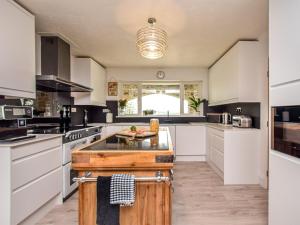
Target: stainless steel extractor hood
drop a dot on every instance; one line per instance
(55, 67)
(52, 83)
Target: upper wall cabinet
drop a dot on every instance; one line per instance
(284, 41)
(235, 77)
(89, 73)
(17, 44)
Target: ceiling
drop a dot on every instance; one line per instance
(199, 31)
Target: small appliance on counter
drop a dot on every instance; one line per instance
(9, 135)
(109, 117)
(242, 121)
(18, 115)
(214, 117)
(226, 118)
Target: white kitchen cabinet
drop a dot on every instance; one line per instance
(234, 77)
(284, 186)
(215, 149)
(233, 154)
(284, 40)
(112, 129)
(284, 49)
(172, 130)
(33, 179)
(190, 143)
(17, 44)
(89, 73)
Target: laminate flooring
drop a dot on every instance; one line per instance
(200, 198)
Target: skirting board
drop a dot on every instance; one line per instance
(181, 158)
(43, 211)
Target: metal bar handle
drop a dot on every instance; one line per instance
(158, 178)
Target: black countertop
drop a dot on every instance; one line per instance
(159, 142)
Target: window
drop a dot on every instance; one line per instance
(161, 99)
(190, 90)
(158, 98)
(130, 94)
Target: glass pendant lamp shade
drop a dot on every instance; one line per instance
(152, 41)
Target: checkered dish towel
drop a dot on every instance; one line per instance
(122, 189)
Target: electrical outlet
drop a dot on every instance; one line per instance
(238, 109)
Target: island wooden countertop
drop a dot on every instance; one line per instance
(122, 153)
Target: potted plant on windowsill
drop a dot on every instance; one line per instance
(148, 112)
(122, 105)
(195, 103)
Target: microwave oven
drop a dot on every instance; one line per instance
(285, 130)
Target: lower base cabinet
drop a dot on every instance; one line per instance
(190, 143)
(234, 154)
(33, 178)
(284, 186)
(30, 198)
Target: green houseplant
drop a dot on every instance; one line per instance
(194, 102)
(122, 105)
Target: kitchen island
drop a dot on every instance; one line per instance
(149, 159)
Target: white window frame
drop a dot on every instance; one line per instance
(181, 83)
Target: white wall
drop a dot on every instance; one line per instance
(149, 74)
(264, 113)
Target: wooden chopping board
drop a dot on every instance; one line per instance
(139, 134)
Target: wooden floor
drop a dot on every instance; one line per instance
(199, 199)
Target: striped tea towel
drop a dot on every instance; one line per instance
(122, 189)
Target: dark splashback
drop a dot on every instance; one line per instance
(251, 109)
(113, 106)
(95, 114)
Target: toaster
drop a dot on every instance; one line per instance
(242, 121)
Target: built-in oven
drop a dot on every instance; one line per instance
(285, 130)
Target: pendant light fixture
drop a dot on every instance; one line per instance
(152, 41)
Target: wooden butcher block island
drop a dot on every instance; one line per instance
(149, 159)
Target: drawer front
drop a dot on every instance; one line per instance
(218, 159)
(29, 168)
(32, 196)
(217, 142)
(216, 132)
(33, 148)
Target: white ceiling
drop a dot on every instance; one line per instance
(199, 30)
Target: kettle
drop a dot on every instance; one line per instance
(226, 118)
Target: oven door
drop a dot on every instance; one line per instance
(68, 184)
(70, 146)
(285, 130)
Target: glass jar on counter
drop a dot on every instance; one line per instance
(154, 125)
